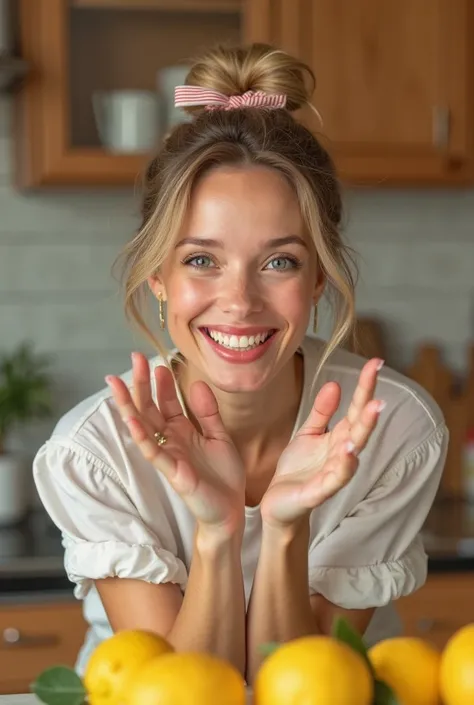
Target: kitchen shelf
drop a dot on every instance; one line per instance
(230, 6)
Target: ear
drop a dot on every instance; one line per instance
(319, 286)
(157, 287)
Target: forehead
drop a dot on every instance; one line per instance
(256, 201)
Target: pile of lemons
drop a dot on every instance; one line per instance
(140, 668)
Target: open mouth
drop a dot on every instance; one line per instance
(240, 343)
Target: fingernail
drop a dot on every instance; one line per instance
(108, 378)
(381, 406)
(133, 356)
(380, 364)
(350, 447)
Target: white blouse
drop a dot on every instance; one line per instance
(119, 516)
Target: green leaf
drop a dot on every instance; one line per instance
(384, 695)
(59, 685)
(342, 630)
(268, 648)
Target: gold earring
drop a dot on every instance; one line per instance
(315, 319)
(161, 311)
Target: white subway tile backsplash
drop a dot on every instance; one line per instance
(57, 268)
(75, 215)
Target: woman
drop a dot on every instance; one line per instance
(271, 490)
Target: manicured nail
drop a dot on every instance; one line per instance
(381, 406)
(108, 378)
(380, 364)
(350, 448)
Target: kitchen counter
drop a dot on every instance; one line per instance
(32, 561)
(448, 535)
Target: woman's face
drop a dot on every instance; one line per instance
(241, 280)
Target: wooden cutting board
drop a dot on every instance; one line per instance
(456, 403)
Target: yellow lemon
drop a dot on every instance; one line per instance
(186, 679)
(457, 668)
(314, 670)
(116, 660)
(410, 667)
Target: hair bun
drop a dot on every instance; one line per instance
(259, 67)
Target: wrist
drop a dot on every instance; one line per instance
(213, 540)
(285, 534)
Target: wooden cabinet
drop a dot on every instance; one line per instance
(439, 608)
(35, 637)
(395, 79)
(395, 83)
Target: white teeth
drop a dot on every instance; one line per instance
(238, 342)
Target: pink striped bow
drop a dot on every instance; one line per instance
(186, 96)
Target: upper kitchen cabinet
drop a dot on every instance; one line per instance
(88, 111)
(395, 83)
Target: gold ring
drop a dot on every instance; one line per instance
(160, 438)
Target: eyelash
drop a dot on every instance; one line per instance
(296, 264)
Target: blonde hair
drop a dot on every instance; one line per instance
(240, 137)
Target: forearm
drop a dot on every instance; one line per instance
(212, 615)
(279, 607)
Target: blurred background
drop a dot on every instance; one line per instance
(86, 92)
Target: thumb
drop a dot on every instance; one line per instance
(204, 406)
(324, 407)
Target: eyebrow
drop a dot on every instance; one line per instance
(209, 242)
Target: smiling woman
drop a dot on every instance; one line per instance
(244, 487)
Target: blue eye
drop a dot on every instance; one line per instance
(199, 261)
(281, 264)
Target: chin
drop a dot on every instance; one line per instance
(239, 382)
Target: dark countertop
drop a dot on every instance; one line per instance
(31, 553)
(31, 560)
(448, 536)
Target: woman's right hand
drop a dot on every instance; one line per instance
(204, 468)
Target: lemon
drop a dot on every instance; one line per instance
(314, 670)
(410, 666)
(116, 660)
(457, 668)
(186, 679)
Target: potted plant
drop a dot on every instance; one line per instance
(25, 395)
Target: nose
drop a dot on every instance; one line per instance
(240, 295)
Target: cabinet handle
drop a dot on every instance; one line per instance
(441, 126)
(429, 624)
(14, 639)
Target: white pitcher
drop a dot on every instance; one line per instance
(127, 121)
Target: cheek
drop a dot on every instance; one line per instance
(187, 296)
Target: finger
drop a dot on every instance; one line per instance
(360, 432)
(166, 393)
(365, 388)
(338, 472)
(206, 410)
(126, 405)
(141, 388)
(325, 405)
(149, 448)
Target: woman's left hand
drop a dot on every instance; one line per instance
(317, 463)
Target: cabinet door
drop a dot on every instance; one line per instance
(80, 50)
(392, 81)
(35, 637)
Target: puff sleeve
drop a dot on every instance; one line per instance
(103, 533)
(375, 555)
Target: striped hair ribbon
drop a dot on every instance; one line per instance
(187, 96)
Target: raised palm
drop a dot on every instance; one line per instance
(204, 468)
(317, 462)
